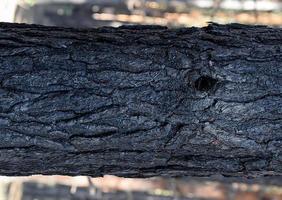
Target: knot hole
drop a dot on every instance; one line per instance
(205, 83)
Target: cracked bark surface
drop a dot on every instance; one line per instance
(141, 101)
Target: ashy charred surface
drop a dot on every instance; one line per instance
(140, 101)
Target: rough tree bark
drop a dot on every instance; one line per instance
(140, 101)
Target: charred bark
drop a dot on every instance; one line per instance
(140, 101)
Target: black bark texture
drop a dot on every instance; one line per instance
(141, 101)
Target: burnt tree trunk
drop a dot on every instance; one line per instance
(140, 101)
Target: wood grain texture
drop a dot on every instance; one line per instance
(141, 101)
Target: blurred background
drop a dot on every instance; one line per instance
(171, 13)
